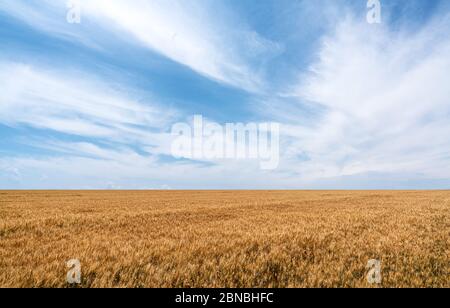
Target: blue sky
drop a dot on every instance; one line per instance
(91, 105)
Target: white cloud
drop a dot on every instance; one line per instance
(76, 104)
(181, 30)
(386, 100)
(192, 33)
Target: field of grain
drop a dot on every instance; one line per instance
(225, 239)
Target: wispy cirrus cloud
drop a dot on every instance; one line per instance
(195, 34)
(122, 128)
(79, 104)
(384, 101)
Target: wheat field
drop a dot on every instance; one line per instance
(224, 238)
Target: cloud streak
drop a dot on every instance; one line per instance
(79, 105)
(386, 101)
(191, 33)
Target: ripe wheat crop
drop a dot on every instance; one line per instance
(225, 238)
